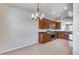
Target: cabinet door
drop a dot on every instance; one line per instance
(62, 35)
(47, 38)
(66, 36)
(41, 38)
(41, 24)
(46, 24)
(58, 25)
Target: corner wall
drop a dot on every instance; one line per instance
(20, 29)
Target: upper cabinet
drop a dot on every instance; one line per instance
(48, 24)
(43, 23)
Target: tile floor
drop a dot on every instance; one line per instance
(56, 47)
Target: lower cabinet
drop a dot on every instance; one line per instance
(44, 37)
(62, 35)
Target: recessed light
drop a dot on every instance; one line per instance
(65, 7)
(53, 12)
(70, 14)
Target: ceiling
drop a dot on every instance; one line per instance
(51, 10)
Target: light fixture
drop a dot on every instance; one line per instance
(70, 14)
(53, 12)
(65, 7)
(37, 15)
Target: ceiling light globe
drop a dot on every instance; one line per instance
(65, 7)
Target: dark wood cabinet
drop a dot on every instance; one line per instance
(63, 35)
(58, 25)
(44, 24)
(41, 24)
(44, 37)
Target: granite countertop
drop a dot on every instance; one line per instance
(54, 31)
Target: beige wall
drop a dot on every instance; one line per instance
(3, 10)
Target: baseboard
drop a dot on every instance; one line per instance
(18, 47)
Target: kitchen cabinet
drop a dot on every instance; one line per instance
(41, 24)
(58, 25)
(44, 37)
(62, 35)
(45, 23)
